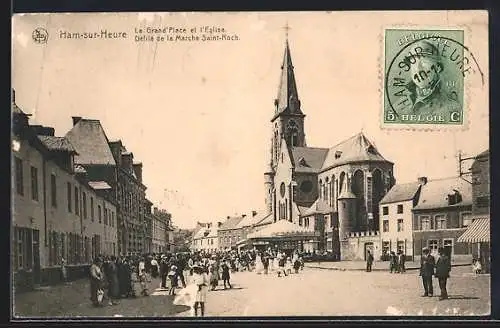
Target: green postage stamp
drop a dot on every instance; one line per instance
(424, 73)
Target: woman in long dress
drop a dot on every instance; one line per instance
(259, 267)
(96, 277)
(200, 279)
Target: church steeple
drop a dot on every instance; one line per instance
(287, 100)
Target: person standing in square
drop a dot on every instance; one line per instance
(427, 264)
(443, 268)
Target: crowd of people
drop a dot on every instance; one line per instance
(114, 278)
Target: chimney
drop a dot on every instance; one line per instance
(116, 147)
(127, 160)
(138, 171)
(76, 119)
(243, 215)
(228, 217)
(254, 213)
(422, 180)
(219, 224)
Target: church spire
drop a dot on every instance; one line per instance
(287, 98)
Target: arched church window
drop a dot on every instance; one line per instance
(325, 190)
(282, 189)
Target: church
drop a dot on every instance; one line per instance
(331, 192)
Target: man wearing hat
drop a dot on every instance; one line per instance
(427, 264)
(443, 268)
(426, 87)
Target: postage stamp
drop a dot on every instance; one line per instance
(424, 73)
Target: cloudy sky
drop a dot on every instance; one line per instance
(197, 113)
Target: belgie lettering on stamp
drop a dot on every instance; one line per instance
(424, 77)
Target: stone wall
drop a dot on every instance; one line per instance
(355, 246)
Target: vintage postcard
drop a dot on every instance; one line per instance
(251, 164)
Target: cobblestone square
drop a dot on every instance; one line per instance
(312, 292)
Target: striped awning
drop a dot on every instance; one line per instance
(477, 232)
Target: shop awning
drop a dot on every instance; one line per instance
(477, 232)
(282, 228)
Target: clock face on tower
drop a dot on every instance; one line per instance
(282, 189)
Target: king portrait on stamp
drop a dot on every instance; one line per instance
(424, 77)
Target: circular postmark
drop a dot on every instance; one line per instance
(424, 79)
(40, 35)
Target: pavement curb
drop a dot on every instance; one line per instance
(373, 269)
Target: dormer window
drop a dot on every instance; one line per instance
(338, 153)
(454, 198)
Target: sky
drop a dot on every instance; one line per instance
(197, 114)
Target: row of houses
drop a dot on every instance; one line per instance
(425, 213)
(75, 197)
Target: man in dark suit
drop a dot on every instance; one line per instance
(427, 264)
(443, 268)
(369, 261)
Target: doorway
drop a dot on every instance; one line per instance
(448, 247)
(36, 257)
(368, 247)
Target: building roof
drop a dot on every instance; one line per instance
(268, 219)
(99, 185)
(477, 232)
(281, 228)
(434, 194)
(401, 192)
(287, 99)
(90, 141)
(57, 144)
(355, 149)
(308, 159)
(319, 207)
(231, 223)
(484, 153)
(250, 220)
(301, 209)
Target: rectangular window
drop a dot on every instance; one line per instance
(425, 223)
(34, 183)
(385, 226)
(105, 216)
(77, 201)
(19, 176)
(400, 225)
(84, 204)
(400, 208)
(68, 185)
(92, 208)
(401, 246)
(23, 249)
(113, 219)
(53, 190)
(433, 245)
(385, 210)
(386, 247)
(99, 213)
(440, 222)
(466, 219)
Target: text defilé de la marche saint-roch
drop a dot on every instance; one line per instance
(157, 34)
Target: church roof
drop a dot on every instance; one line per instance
(355, 149)
(401, 192)
(268, 219)
(91, 143)
(308, 159)
(287, 100)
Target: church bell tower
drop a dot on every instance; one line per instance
(287, 122)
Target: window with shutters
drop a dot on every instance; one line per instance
(34, 183)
